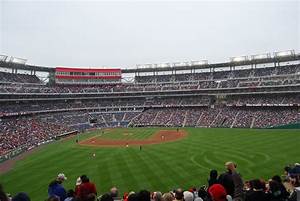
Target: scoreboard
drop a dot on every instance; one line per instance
(67, 75)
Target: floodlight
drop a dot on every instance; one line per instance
(286, 53)
(17, 60)
(239, 59)
(148, 65)
(199, 63)
(181, 64)
(162, 65)
(261, 56)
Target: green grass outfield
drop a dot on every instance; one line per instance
(185, 163)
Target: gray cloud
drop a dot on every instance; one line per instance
(122, 34)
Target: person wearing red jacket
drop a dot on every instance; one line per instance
(86, 189)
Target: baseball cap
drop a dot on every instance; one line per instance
(217, 192)
(61, 176)
(78, 181)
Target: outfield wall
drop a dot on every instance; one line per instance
(287, 126)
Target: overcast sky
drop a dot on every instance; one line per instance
(122, 34)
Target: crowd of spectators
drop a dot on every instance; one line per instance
(245, 111)
(256, 117)
(27, 132)
(264, 99)
(228, 186)
(102, 103)
(249, 78)
(222, 75)
(16, 132)
(131, 87)
(112, 104)
(18, 78)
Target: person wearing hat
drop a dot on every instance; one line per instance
(86, 188)
(217, 192)
(56, 188)
(77, 185)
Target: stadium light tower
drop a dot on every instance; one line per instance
(238, 59)
(163, 65)
(17, 60)
(177, 64)
(260, 56)
(148, 65)
(286, 53)
(199, 63)
(181, 64)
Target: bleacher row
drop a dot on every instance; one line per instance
(222, 75)
(6, 77)
(130, 103)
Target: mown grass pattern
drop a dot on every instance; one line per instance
(258, 153)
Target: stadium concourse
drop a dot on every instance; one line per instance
(250, 94)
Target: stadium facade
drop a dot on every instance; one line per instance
(258, 91)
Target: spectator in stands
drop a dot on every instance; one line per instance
(283, 190)
(238, 194)
(56, 188)
(226, 181)
(21, 197)
(53, 198)
(70, 195)
(294, 188)
(203, 194)
(114, 192)
(287, 170)
(218, 193)
(188, 196)
(106, 197)
(86, 189)
(167, 197)
(213, 178)
(179, 195)
(133, 197)
(256, 192)
(3, 196)
(157, 196)
(144, 195)
(77, 185)
(275, 191)
(295, 170)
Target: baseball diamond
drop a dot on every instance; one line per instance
(149, 100)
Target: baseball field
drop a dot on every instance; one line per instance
(153, 158)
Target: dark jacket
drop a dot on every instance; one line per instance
(256, 196)
(226, 180)
(238, 185)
